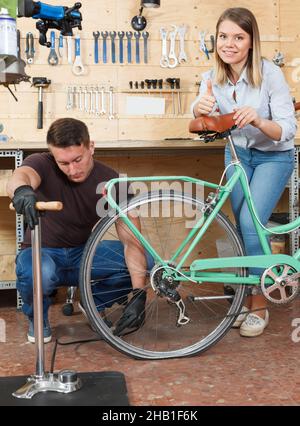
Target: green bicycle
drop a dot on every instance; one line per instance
(197, 257)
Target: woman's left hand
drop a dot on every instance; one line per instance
(246, 115)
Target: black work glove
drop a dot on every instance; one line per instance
(134, 312)
(24, 201)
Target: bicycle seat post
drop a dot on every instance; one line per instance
(234, 157)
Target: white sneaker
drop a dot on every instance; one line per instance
(242, 316)
(254, 325)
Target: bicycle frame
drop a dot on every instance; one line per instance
(198, 269)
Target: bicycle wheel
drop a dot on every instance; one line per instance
(166, 218)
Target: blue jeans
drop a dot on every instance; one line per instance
(60, 267)
(268, 174)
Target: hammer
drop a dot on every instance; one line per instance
(41, 83)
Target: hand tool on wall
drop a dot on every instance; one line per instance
(164, 60)
(182, 55)
(129, 36)
(61, 46)
(111, 115)
(173, 61)
(145, 35)
(172, 82)
(29, 48)
(279, 59)
(70, 49)
(113, 35)
(52, 58)
(121, 35)
(96, 35)
(41, 83)
(103, 104)
(137, 36)
(177, 86)
(104, 35)
(78, 68)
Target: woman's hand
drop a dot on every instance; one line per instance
(206, 104)
(246, 115)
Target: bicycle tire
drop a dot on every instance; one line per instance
(137, 345)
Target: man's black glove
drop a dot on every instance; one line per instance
(134, 312)
(24, 201)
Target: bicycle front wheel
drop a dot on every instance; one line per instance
(166, 219)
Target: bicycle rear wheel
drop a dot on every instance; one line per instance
(166, 218)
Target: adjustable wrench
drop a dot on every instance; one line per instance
(96, 35)
(129, 36)
(104, 35)
(29, 48)
(182, 55)
(78, 68)
(52, 58)
(113, 35)
(121, 35)
(137, 36)
(164, 60)
(173, 61)
(145, 35)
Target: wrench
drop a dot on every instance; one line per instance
(104, 35)
(182, 55)
(52, 58)
(137, 36)
(113, 35)
(97, 110)
(29, 48)
(96, 35)
(78, 68)
(173, 61)
(203, 46)
(80, 104)
(164, 60)
(129, 35)
(145, 35)
(103, 109)
(70, 49)
(61, 46)
(111, 104)
(121, 35)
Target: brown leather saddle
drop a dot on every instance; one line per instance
(213, 127)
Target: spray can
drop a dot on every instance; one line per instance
(8, 34)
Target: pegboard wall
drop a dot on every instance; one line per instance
(279, 27)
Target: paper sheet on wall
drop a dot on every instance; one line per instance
(145, 105)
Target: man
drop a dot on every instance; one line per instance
(68, 173)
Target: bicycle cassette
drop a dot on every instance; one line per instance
(279, 285)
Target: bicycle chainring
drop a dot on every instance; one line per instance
(280, 290)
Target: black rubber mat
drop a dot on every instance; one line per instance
(99, 389)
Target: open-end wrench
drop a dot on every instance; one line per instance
(96, 35)
(145, 35)
(80, 103)
(61, 45)
(103, 108)
(92, 104)
(113, 35)
(104, 35)
(164, 60)
(111, 103)
(173, 61)
(78, 68)
(121, 35)
(129, 36)
(86, 100)
(137, 36)
(182, 55)
(29, 48)
(70, 49)
(52, 58)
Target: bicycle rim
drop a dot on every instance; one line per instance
(210, 313)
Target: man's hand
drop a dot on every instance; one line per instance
(134, 312)
(246, 115)
(24, 201)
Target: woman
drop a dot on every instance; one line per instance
(255, 88)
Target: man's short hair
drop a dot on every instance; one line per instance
(66, 132)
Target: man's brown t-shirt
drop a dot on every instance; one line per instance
(72, 226)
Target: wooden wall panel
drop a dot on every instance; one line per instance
(278, 21)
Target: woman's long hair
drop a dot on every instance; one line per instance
(245, 19)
